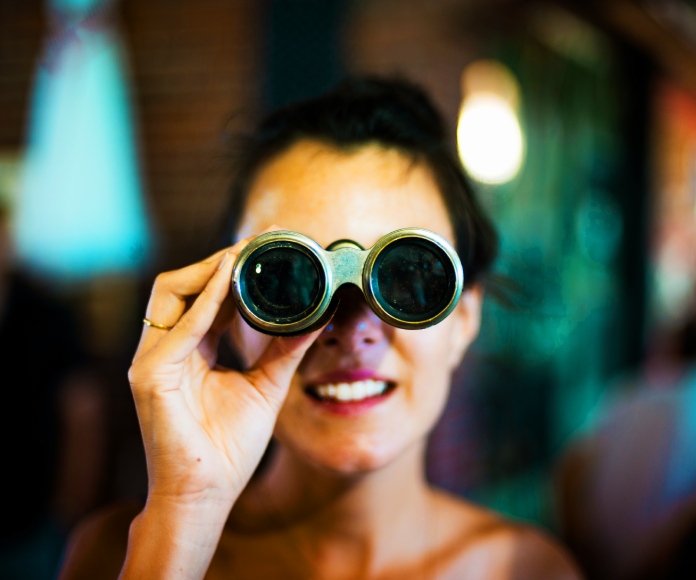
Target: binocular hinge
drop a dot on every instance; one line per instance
(348, 261)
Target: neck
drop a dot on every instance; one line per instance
(371, 514)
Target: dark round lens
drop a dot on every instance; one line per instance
(415, 280)
(281, 283)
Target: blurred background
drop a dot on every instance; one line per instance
(576, 121)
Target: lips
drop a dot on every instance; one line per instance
(346, 387)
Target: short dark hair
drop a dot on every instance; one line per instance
(393, 113)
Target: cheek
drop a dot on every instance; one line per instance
(428, 351)
(427, 356)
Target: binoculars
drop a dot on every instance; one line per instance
(284, 283)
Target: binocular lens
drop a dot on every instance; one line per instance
(281, 283)
(415, 281)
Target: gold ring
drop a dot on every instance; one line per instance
(156, 325)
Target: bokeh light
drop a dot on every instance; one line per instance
(489, 137)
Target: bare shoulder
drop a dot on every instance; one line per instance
(97, 546)
(533, 554)
(483, 544)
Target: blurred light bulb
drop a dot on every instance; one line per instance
(490, 141)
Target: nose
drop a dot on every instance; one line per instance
(354, 327)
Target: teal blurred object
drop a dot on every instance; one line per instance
(35, 556)
(573, 229)
(80, 211)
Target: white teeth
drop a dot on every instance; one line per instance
(344, 392)
(356, 391)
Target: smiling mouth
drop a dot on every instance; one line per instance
(352, 392)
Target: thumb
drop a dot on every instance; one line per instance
(273, 371)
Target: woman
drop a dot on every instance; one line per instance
(344, 494)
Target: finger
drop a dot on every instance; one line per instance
(272, 373)
(222, 323)
(172, 291)
(168, 300)
(192, 327)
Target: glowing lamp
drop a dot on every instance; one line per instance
(489, 137)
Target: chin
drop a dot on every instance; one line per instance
(350, 462)
(346, 456)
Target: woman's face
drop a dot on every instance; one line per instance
(328, 194)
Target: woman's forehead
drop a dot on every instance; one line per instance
(329, 194)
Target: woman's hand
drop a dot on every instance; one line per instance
(204, 428)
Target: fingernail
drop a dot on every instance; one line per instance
(223, 261)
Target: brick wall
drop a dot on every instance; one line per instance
(424, 41)
(21, 28)
(192, 64)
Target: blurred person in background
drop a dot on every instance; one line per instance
(343, 493)
(627, 491)
(52, 430)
